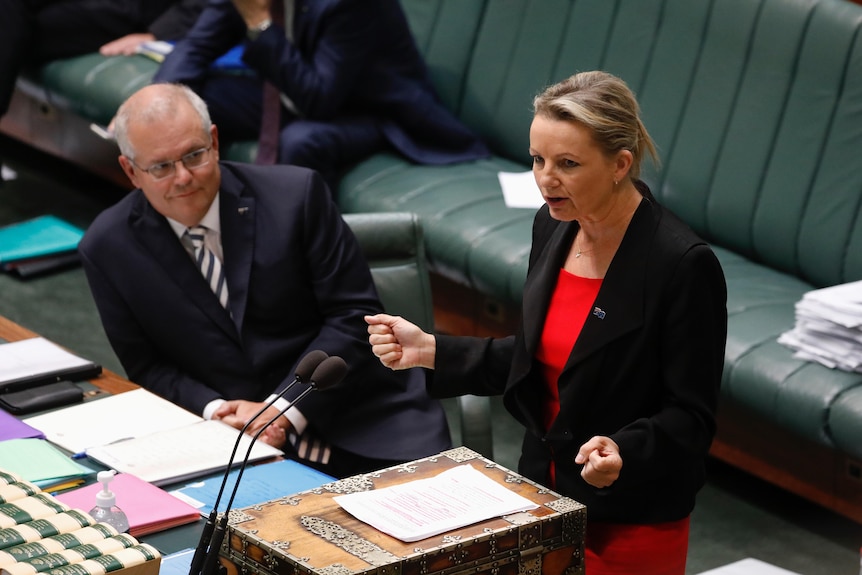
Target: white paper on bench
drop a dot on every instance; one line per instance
(426, 507)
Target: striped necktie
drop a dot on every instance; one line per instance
(208, 263)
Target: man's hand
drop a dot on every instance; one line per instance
(254, 11)
(601, 459)
(125, 46)
(238, 412)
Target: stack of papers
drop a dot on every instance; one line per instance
(828, 327)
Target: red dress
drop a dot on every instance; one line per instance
(611, 549)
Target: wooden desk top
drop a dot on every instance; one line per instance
(108, 380)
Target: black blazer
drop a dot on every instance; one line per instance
(645, 370)
(349, 59)
(297, 282)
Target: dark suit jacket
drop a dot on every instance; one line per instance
(349, 58)
(297, 282)
(645, 370)
(36, 31)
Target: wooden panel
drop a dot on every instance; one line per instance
(813, 471)
(460, 310)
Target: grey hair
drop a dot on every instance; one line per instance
(162, 106)
(606, 105)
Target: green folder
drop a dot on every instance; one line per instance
(40, 236)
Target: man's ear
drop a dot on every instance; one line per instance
(129, 170)
(214, 137)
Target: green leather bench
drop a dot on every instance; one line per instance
(756, 108)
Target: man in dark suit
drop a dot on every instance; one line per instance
(348, 75)
(38, 31)
(294, 281)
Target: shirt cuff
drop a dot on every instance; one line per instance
(211, 407)
(293, 415)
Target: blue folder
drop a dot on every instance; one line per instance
(42, 236)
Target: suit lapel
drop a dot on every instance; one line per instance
(619, 308)
(238, 235)
(153, 232)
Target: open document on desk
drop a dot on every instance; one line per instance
(143, 434)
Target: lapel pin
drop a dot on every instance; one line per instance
(242, 211)
(599, 313)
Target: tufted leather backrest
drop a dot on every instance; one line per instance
(755, 105)
(393, 244)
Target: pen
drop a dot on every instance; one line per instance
(83, 454)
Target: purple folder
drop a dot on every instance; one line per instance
(13, 428)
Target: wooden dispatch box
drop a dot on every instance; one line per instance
(309, 533)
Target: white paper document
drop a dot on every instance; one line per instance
(520, 190)
(34, 356)
(180, 454)
(426, 507)
(749, 567)
(110, 419)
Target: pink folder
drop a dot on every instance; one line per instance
(148, 508)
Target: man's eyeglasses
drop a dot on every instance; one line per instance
(191, 161)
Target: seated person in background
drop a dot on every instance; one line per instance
(38, 31)
(343, 79)
(616, 368)
(294, 280)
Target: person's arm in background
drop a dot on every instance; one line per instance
(218, 29)
(319, 84)
(171, 25)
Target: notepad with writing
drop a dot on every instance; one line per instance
(148, 508)
(179, 454)
(121, 416)
(141, 433)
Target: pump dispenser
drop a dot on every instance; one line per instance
(106, 510)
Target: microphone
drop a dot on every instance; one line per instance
(330, 372)
(305, 370)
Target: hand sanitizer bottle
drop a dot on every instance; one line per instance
(106, 510)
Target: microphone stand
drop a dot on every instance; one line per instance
(331, 371)
(306, 365)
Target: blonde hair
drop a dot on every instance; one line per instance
(605, 104)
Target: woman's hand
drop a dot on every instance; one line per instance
(400, 344)
(601, 459)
